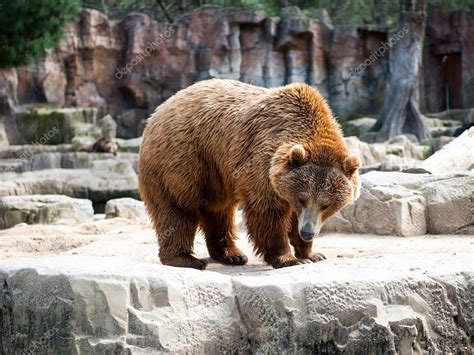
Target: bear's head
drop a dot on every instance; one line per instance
(315, 185)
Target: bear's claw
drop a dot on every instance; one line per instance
(185, 261)
(315, 257)
(311, 258)
(233, 260)
(286, 260)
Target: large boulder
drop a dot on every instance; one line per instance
(386, 210)
(450, 205)
(43, 209)
(406, 204)
(125, 207)
(457, 155)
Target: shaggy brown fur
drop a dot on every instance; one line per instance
(217, 144)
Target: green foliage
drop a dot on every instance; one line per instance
(453, 4)
(30, 27)
(342, 12)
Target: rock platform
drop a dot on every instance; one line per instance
(99, 288)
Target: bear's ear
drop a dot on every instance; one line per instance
(351, 164)
(298, 155)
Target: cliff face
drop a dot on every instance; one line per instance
(129, 67)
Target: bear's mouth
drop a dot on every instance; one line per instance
(309, 224)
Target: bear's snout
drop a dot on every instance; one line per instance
(306, 234)
(309, 223)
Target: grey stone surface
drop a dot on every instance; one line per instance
(108, 126)
(104, 180)
(393, 203)
(26, 151)
(392, 162)
(125, 207)
(358, 126)
(81, 143)
(388, 211)
(457, 155)
(129, 145)
(98, 288)
(60, 160)
(450, 205)
(43, 209)
(85, 130)
(397, 154)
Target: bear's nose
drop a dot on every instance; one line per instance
(306, 235)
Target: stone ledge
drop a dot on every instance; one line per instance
(105, 304)
(104, 180)
(105, 291)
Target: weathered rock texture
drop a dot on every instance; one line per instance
(456, 156)
(125, 207)
(127, 68)
(44, 209)
(99, 289)
(57, 160)
(396, 154)
(409, 204)
(103, 181)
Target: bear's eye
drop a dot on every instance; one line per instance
(324, 207)
(303, 199)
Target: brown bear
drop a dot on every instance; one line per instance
(218, 144)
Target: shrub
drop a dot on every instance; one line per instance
(30, 27)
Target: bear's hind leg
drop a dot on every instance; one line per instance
(303, 250)
(175, 230)
(220, 233)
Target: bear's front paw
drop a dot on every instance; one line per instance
(184, 260)
(231, 256)
(286, 260)
(311, 257)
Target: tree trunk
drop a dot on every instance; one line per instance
(400, 112)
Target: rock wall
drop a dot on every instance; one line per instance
(448, 61)
(128, 67)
